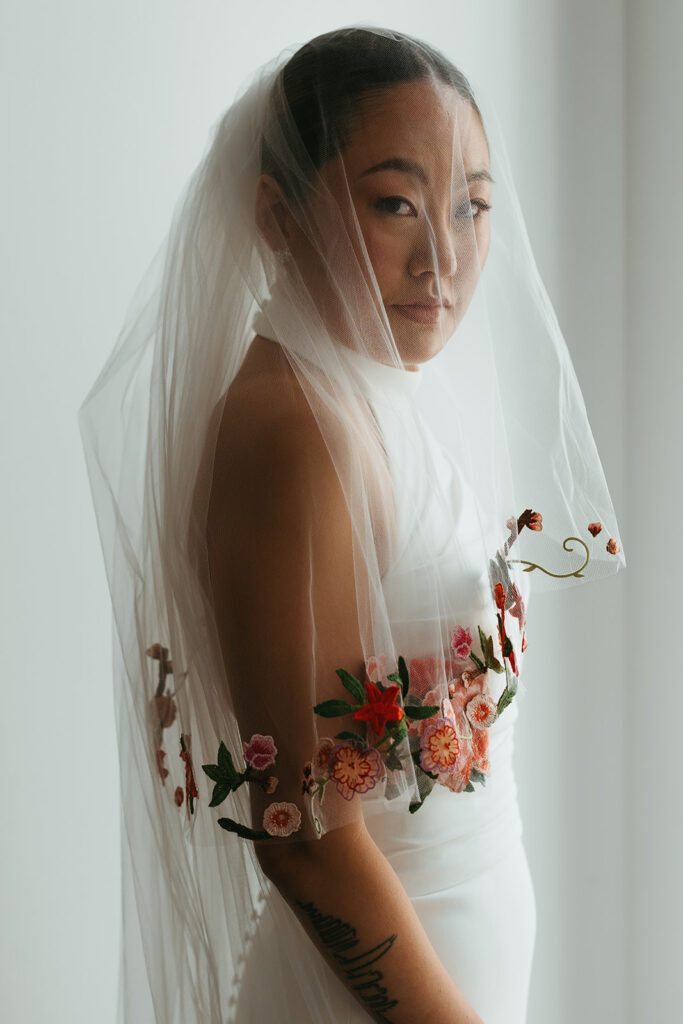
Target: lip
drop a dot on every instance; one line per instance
(422, 312)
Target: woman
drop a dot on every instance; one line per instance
(321, 546)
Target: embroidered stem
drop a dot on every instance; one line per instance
(557, 575)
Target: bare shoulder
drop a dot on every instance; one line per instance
(270, 453)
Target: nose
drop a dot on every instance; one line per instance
(435, 250)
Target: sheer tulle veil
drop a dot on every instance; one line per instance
(230, 742)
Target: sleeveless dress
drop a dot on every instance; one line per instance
(461, 857)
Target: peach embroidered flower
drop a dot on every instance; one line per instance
(281, 819)
(439, 747)
(321, 757)
(376, 668)
(461, 642)
(260, 751)
(481, 711)
(612, 546)
(517, 608)
(354, 768)
(594, 528)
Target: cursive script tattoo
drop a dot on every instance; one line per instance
(340, 938)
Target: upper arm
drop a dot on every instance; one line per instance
(280, 548)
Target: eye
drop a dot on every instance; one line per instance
(479, 204)
(387, 201)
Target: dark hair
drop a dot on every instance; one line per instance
(317, 91)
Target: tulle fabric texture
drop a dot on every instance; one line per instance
(208, 715)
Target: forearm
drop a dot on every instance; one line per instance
(355, 910)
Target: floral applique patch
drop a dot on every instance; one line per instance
(405, 719)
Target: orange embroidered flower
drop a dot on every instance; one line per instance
(380, 707)
(499, 594)
(481, 711)
(439, 747)
(594, 528)
(612, 546)
(354, 768)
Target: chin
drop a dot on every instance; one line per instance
(421, 345)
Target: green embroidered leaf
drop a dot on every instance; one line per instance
(333, 708)
(512, 684)
(353, 685)
(392, 760)
(505, 699)
(478, 776)
(469, 788)
(350, 736)
(213, 771)
(422, 711)
(241, 830)
(507, 647)
(225, 759)
(477, 661)
(220, 791)
(404, 674)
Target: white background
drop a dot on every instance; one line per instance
(106, 110)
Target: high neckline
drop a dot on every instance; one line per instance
(378, 381)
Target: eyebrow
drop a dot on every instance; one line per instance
(399, 163)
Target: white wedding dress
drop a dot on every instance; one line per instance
(460, 857)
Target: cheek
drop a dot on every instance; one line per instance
(387, 255)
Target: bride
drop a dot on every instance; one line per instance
(322, 556)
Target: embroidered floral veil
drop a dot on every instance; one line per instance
(264, 689)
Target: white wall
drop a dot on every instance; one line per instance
(109, 110)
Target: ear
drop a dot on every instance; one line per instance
(271, 213)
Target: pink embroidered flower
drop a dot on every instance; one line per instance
(281, 819)
(354, 768)
(163, 710)
(321, 757)
(517, 608)
(260, 751)
(160, 653)
(179, 796)
(163, 772)
(461, 642)
(376, 668)
(612, 546)
(481, 711)
(439, 747)
(594, 528)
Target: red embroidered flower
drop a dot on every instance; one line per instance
(380, 707)
(354, 768)
(260, 751)
(525, 642)
(281, 819)
(439, 747)
(191, 790)
(179, 796)
(499, 594)
(461, 642)
(594, 528)
(612, 546)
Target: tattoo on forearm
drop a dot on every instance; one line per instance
(340, 938)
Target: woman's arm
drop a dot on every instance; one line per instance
(357, 913)
(282, 574)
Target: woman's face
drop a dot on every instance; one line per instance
(415, 177)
